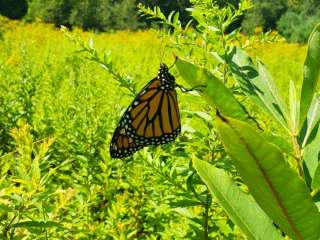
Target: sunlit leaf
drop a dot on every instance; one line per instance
(241, 207)
(311, 73)
(214, 92)
(277, 188)
(311, 124)
(258, 85)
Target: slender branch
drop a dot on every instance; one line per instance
(7, 228)
(315, 192)
(224, 45)
(206, 218)
(167, 177)
(298, 155)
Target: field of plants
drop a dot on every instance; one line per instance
(59, 107)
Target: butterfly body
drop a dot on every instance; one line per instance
(151, 119)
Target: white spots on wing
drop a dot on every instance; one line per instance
(167, 83)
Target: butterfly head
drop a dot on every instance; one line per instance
(167, 80)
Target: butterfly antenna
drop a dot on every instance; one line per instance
(162, 50)
(175, 60)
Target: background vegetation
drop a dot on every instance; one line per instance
(57, 114)
(294, 19)
(61, 96)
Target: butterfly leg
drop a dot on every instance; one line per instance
(183, 89)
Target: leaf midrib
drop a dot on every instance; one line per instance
(267, 179)
(233, 209)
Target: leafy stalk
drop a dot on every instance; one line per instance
(123, 80)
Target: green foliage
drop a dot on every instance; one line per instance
(58, 110)
(88, 14)
(259, 163)
(258, 85)
(215, 92)
(54, 11)
(60, 103)
(293, 19)
(311, 74)
(168, 7)
(14, 9)
(264, 14)
(102, 15)
(241, 208)
(297, 23)
(264, 165)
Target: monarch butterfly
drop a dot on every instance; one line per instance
(152, 118)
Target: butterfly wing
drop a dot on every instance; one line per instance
(151, 119)
(123, 145)
(154, 117)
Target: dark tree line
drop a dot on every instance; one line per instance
(294, 19)
(102, 15)
(14, 9)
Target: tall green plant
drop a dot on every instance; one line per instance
(276, 175)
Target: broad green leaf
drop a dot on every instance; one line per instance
(279, 141)
(278, 189)
(311, 73)
(241, 207)
(214, 92)
(258, 85)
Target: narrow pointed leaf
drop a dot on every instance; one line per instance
(311, 124)
(310, 138)
(277, 188)
(258, 85)
(214, 92)
(240, 207)
(311, 155)
(311, 73)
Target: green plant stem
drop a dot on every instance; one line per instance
(224, 46)
(167, 177)
(315, 192)
(297, 153)
(206, 218)
(7, 228)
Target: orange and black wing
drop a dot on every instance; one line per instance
(151, 119)
(123, 145)
(154, 115)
